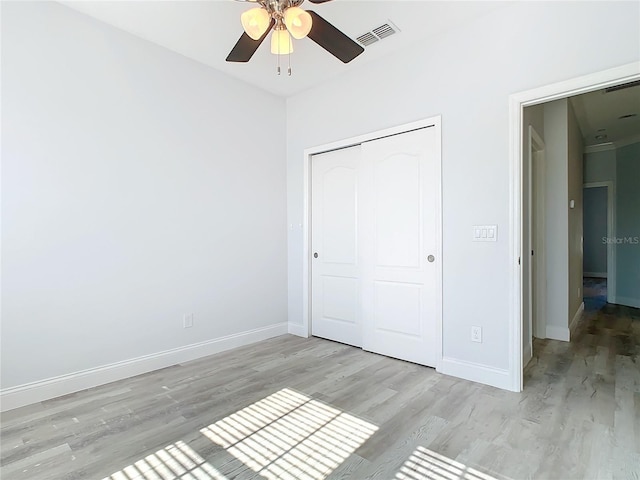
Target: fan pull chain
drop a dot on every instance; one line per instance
(278, 56)
(289, 58)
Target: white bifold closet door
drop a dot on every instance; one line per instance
(375, 212)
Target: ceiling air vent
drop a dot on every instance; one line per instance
(384, 31)
(367, 39)
(622, 87)
(378, 33)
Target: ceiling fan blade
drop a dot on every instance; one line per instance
(247, 46)
(319, 1)
(333, 40)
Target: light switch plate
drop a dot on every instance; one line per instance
(485, 233)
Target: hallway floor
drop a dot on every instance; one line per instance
(594, 293)
(592, 384)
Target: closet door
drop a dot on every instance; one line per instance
(399, 198)
(335, 267)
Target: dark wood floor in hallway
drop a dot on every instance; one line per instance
(298, 408)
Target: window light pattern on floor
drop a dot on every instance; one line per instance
(290, 436)
(425, 464)
(177, 461)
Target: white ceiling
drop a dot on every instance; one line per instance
(599, 113)
(206, 31)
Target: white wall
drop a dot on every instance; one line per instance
(133, 191)
(563, 242)
(533, 116)
(466, 76)
(575, 151)
(556, 135)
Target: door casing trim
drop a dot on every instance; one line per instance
(556, 91)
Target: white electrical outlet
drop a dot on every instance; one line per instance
(476, 334)
(187, 320)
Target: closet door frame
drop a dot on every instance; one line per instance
(433, 122)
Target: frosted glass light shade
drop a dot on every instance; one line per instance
(255, 22)
(298, 22)
(281, 43)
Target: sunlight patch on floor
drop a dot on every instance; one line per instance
(425, 464)
(288, 435)
(177, 461)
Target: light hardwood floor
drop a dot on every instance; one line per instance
(309, 409)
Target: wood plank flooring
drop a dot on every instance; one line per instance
(308, 409)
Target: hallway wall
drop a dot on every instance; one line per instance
(628, 225)
(622, 166)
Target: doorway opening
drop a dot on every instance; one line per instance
(599, 265)
(595, 293)
(563, 236)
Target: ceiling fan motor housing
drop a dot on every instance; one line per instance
(277, 7)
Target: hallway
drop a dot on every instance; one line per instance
(591, 386)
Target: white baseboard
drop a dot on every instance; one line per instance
(39, 391)
(595, 274)
(542, 333)
(564, 333)
(496, 377)
(558, 333)
(527, 355)
(298, 330)
(627, 301)
(576, 319)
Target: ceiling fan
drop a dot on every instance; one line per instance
(287, 19)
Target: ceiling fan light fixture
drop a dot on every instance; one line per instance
(298, 22)
(255, 22)
(281, 43)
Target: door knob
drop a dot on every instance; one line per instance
(431, 258)
(315, 254)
